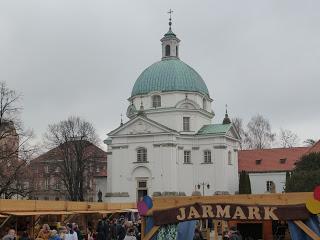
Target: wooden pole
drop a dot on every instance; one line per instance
(143, 227)
(215, 229)
(151, 233)
(307, 230)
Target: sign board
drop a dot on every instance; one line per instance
(237, 212)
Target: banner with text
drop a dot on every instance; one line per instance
(233, 212)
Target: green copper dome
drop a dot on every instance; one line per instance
(169, 75)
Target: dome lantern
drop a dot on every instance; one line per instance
(170, 43)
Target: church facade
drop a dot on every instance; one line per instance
(169, 146)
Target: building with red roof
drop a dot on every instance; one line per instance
(267, 168)
(48, 183)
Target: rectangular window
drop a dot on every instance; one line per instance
(269, 186)
(46, 184)
(46, 169)
(186, 123)
(207, 156)
(156, 101)
(58, 185)
(142, 155)
(187, 156)
(142, 184)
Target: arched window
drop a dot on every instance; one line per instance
(204, 103)
(156, 101)
(177, 54)
(142, 155)
(229, 158)
(167, 50)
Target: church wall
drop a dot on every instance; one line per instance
(170, 99)
(220, 175)
(174, 120)
(159, 171)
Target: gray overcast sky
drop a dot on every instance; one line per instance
(83, 57)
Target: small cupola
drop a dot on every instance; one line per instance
(170, 43)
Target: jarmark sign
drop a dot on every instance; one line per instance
(230, 212)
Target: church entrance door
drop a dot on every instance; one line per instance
(142, 189)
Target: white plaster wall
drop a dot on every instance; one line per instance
(161, 163)
(170, 99)
(259, 181)
(174, 120)
(166, 164)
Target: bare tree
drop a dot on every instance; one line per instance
(238, 124)
(309, 142)
(288, 138)
(258, 134)
(74, 141)
(15, 151)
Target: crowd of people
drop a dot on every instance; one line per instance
(115, 229)
(232, 234)
(106, 229)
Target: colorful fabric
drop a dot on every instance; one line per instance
(186, 230)
(168, 232)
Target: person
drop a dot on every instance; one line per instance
(11, 235)
(121, 231)
(62, 232)
(54, 235)
(106, 228)
(197, 234)
(130, 235)
(113, 232)
(24, 236)
(44, 232)
(77, 230)
(90, 235)
(225, 235)
(234, 234)
(70, 235)
(100, 231)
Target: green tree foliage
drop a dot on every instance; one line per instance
(244, 183)
(306, 175)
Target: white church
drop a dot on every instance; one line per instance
(170, 146)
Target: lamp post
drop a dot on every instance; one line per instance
(203, 184)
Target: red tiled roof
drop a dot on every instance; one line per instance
(270, 159)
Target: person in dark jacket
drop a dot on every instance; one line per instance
(121, 231)
(100, 231)
(106, 228)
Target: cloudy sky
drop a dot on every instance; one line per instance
(76, 57)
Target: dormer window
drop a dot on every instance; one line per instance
(283, 160)
(156, 101)
(258, 161)
(168, 51)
